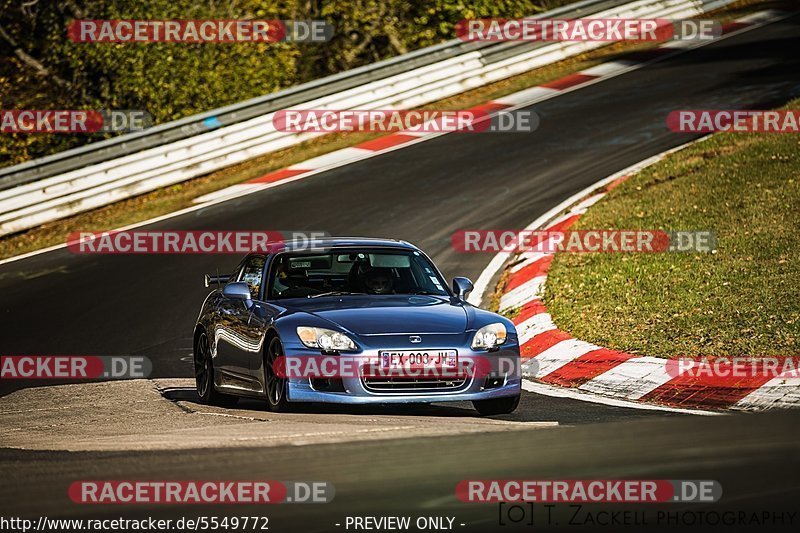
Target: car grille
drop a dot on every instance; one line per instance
(407, 385)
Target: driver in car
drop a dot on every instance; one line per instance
(378, 281)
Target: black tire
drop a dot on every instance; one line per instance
(275, 387)
(497, 406)
(204, 376)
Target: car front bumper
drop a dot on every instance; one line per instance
(503, 380)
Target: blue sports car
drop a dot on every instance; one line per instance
(374, 316)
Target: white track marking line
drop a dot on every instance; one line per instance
(331, 158)
(561, 219)
(526, 95)
(678, 44)
(575, 394)
(530, 258)
(763, 17)
(584, 206)
(632, 379)
(535, 325)
(776, 393)
(561, 354)
(227, 191)
(529, 290)
(415, 133)
(607, 69)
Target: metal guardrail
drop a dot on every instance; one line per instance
(114, 169)
(235, 113)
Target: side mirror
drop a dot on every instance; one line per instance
(462, 287)
(238, 290)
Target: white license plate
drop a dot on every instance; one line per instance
(418, 359)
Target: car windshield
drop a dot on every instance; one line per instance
(345, 272)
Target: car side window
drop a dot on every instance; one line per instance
(252, 274)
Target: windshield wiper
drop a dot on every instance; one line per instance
(333, 293)
(424, 292)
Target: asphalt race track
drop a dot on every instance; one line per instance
(417, 477)
(61, 303)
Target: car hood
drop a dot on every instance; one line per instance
(390, 314)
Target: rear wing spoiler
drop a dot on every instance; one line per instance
(209, 279)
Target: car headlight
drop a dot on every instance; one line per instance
(325, 339)
(489, 336)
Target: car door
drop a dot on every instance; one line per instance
(240, 343)
(253, 322)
